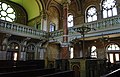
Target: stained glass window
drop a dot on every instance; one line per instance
(7, 12)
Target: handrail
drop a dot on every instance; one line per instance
(111, 73)
(63, 73)
(99, 25)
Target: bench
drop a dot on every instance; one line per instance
(28, 73)
(60, 74)
(10, 66)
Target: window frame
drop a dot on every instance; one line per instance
(108, 9)
(9, 15)
(113, 52)
(95, 13)
(52, 27)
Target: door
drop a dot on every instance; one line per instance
(12, 55)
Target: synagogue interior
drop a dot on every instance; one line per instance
(59, 38)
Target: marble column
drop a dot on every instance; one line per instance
(44, 22)
(65, 44)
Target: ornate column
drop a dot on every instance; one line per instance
(24, 49)
(5, 42)
(3, 51)
(44, 21)
(65, 49)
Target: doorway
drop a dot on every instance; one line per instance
(12, 51)
(12, 55)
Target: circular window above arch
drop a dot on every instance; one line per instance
(7, 12)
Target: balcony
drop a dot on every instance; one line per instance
(21, 30)
(108, 26)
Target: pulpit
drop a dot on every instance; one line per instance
(88, 67)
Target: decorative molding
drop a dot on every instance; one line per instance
(65, 44)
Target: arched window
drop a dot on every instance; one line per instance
(91, 14)
(113, 52)
(113, 47)
(13, 46)
(7, 12)
(52, 27)
(71, 52)
(109, 8)
(70, 20)
(31, 47)
(93, 52)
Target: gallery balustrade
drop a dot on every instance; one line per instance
(19, 29)
(108, 24)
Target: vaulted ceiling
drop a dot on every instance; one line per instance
(35, 7)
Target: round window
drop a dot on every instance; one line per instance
(6, 12)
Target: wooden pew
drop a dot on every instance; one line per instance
(17, 68)
(28, 73)
(60, 74)
(115, 73)
(10, 66)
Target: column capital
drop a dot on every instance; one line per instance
(66, 1)
(43, 14)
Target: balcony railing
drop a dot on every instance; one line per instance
(23, 30)
(96, 26)
(108, 24)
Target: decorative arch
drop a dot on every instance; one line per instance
(90, 13)
(31, 47)
(30, 53)
(17, 42)
(53, 17)
(76, 68)
(13, 50)
(29, 9)
(113, 46)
